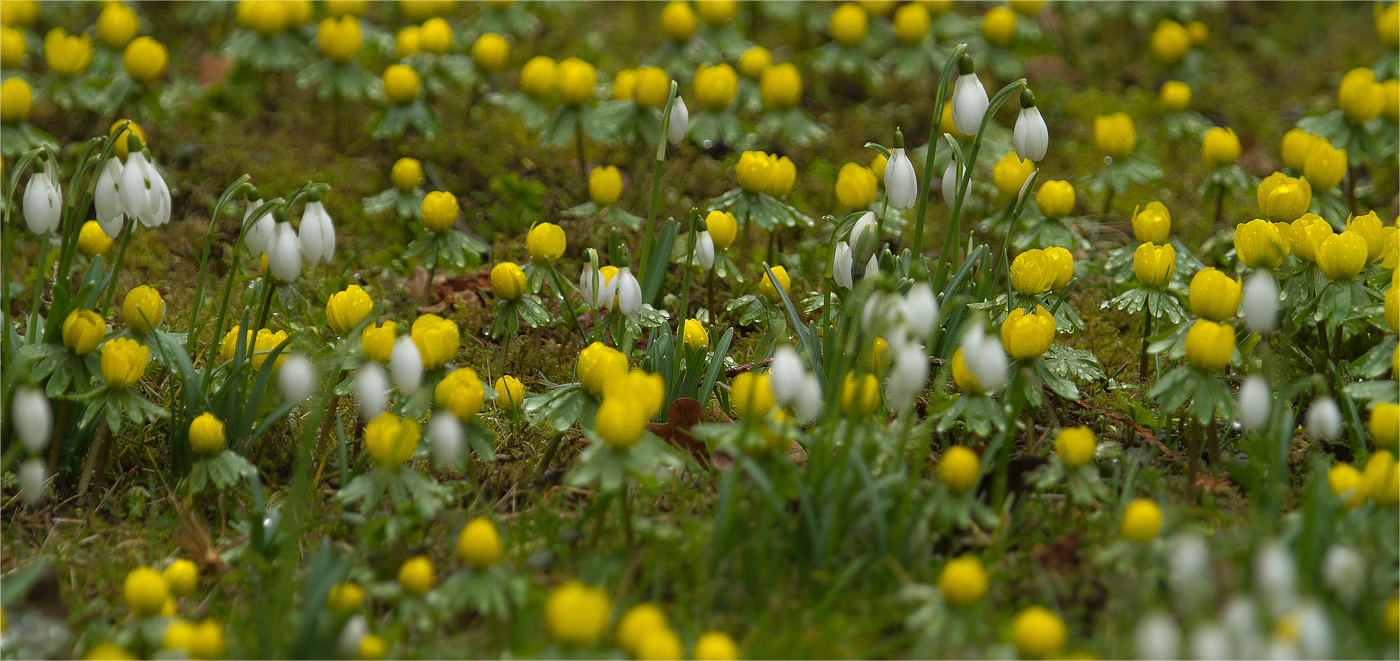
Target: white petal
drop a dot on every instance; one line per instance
(901, 182)
(921, 310)
(1255, 402)
(908, 376)
(949, 184)
(1030, 137)
(629, 291)
(872, 267)
(327, 237)
(371, 387)
(33, 419)
(705, 251)
(309, 235)
(1344, 571)
(259, 235)
(349, 642)
(444, 431)
(296, 378)
(32, 475)
(105, 199)
(42, 205)
(1209, 643)
(841, 266)
(284, 255)
(1157, 637)
(1260, 305)
(785, 375)
(863, 235)
(985, 358)
(160, 199)
(1324, 419)
(680, 122)
(134, 189)
(809, 399)
(406, 364)
(969, 104)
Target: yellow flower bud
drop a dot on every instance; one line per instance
(636, 624)
(19, 12)
(1031, 273)
(860, 395)
(1153, 264)
(508, 281)
(545, 241)
(1392, 308)
(490, 51)
(856, 186)
(182, 576)
(263, 344)
(1010, 173)
(1114, 134)
(1175, 96)
(1346, 482)
(1359, 96)
(1260, 244)
(339, 39)
(406, 174)
(911, 24)
(347, 7)
(624, 85)
(417, 576)
(435, 36)
(510, 392)
(999, 26)
(1170, 41)
(716, 13)
(963, 580)
(144, 592)
(345, 598)
(1153, 223)
(1037, 633)
(1142, 520)
(12, 47)
(1061, 262)
(695, 336)
(439, 211)
(377, 342)
(346, 309)
(67, 55)
(715, 86)
(143, 309)
(848, 25)
(780, 86)
(1390, 92)
(576, 615)
(722, 227)
(1220, 147)
(144, 59)
(206, 434)
(16, 100)
(1210, 345)
(1296, 143)
(750, 395)
(1075, 447)
(781, 177)
(964, 378)
(767, 288)
(959, 468)
(677, 20)
(408, 42)
(1324, 166)
(620, 423)
(878, 161)
(1028, 336)
(479, 544)
(754, 61)
(460, 393)
(92, 241)
(1200, 34)
(1306, 235)
(1214, 295)
(652, 87)
(1384, 424)
(1370, 228)
(83, 330)
(1283, 198)
(400, 84)
(598, 364)
(391, 441)
(575, 80)
(605, 185)
(1342, 256)
(753, 171)
(437, 340)
(537, 77)
(1055, 199)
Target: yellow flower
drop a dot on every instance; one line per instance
(508, 281)
(105, 650)
(715, 645)
(605, 185)
(400, 84)
(263, 345)
(781, 177)
(878, 161)
(435, 36)
(575, 80)
(1324, 166)
(644, 390)
(376, 342)
(479, 545)
(545, 242)
(510, 392)
(1381, 478)
(345, 598)
(181, 576)
(946, 125)
(860, 395)
(1142, 520)
(1392, 308)
(1010, 173)
(1214, 295)
(1114, 134)
(715, 86)
(1220, 147)
(1028, 336)
(345, 310)
(651, 87)
(717, 12)
(1346, 482)
(1153, 264)
(206, 434)
(1370, 228)
(19, 12)
(576, 614)
(722, 227)
(695, 336)
(1260, 244)
(417, 576)
(780, 86)
(347, 7)
(390, 440)
(624, 85)
(12, 47)
(1342, 256)
(16, 100)
(406, 42)
(1175, 96)
(177, 636)
(1200, 34)
(406, 174)
(636, 623)
(1075, 447)
(677, 20)
(460, 393)
(1306, 235)
(1055, 199)
(1153, 223)
(1170, 41)
(1061, 263)
(1037, 632)
(911, 24)
(751, 396)
(753, 171)
(537, 77)
(490, 51)
(999, 26)
(1390, 248)
(339, 39)
(1384, 424)
(848, 24)
(371, 647)
(964, 378)
(439, 210)
(1210, 345)
(437, 340)
(144, 591)
(1283, 198)
(767, 288)
(1032, 273)
(1296, 143)
(1387, 24)
(856, 186)
(959, 469)
(1390, 91)
(83, 330)
(598, 364)
(144, 59)
(207, 642)
(1359, 96)
(963, 581)
(92, 241)
(67, 55)
(754, 61)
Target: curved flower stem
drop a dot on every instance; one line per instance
(117, 266)
(564, 294)
(656, 181)
(940, 98)
(39, 278)
(238, 186)
(266, 305)
(1146, 333)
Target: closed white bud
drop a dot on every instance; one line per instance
(629, 291)
(705, 251)
(863, 235)
(1210, 643)
(921, 311)
(1324, 419)
(901, 182)
(872, 268)
(105, 200)
(1314, 632)
(1241, 621)
(841, 264)
(1344, 571)
(1030, 138)
(1276, 577)
(680, 122)
(1255, 402)
(1188, 571)
(296, 378)
(809, 399)
(949, 185)
(32, 475)
(445, 433)
(284, 255)
(785, 374)
(984, 357)
(1157, 637)
(371, 387)
(969, 104)
(356, 628)
(594, 288)
(908, 376)
(1260, 302)
(259, 235)
(43, 201)
(32, 417)
(317, 234)
(406, 365)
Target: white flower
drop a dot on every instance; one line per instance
(901, 183)
(32, 475)
(809, 402)
(1209, 643)
(142, 192)
(258, 236)
(1157, 637)
(371, 387)
(406, 365)
(1188, 571)
(920, 311)
(284, 253)
(984, 357)
(445, 433)
(1030, 138)
(1344, 571)
(841, 264)
(908, 376)
(296, 378)
(32, 417)
(105, 198)
(969, 103)
(1241, 621)
(1260, 304)
(629, 291)
(680, 121)
(317, 234)
(1276, 577)
(594, 288)
(872, 268)
(950, 182)
(1255, 402)
(349, 643)
(43, 199)
(705, 250)
(863, 235)
(1314, 632)
(785, 374)
(1324, 419)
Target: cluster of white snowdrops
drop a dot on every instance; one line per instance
(287, 249)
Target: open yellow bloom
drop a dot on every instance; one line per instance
(715, 86)
(437, 340)
(1384, 424)
(145, 591)
(12, 47)
(1061, 263)
(345, 598)
(263, 344)
(406, 174)
(417, 576)
(1153, 223)
(605, 185)
(1028, 336)
(717, 12)
(848, 25)
(16, 100)
(479, 544)
(856, 186)
(83, 330)
(1214, 295)
(1153, 264)
(1114, 135)
(1010, 173)
(959, 469)
(1055, 199)
(620, 422)
(339, 39)
(435, 36)
(1209, 345)
(782, 177)
(439, 211)
(999, 26)
(143, 309)
(1306, 234)
(508, 281)
(753, 170)
(1260, 244)
(460, 393)
(1347, 483)
(1220, 147)
(182, 577)
(1342, 256)
(576, 615)
(780, 86)
(67, 55)
(389, 440)
(1283, 198)
(963, 377)
(598, 364)
(123, 362)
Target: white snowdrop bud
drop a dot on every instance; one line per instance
(921, 311)
(1260, 302)
(1157, 637)
(284, 254)
(629, 291)
(984, 357)
(371, 388)
(316, 237)
(32, 475)
(32, 417)
(258, 238)
(863, 235)
(1188, 571)
(296, 378)
(901, 182)
(406, 365)
(809, 399)
(1314, 632)
(1324, 419)
(1344, 571)
(1030, 138)
(1255, 402)
(1241, 621)
(1276, 577)
(842, 263)
(356, 628)
(445, 433)
(949, 184)
(872, 268)
(680, 122)
(1210, 643)
(43, 200)
(105, 200)
(908, 376)
(785, 375)
(969, 99)
(705, 251)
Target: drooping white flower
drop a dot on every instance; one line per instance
(1324, 419)
(901, 182)
(969, 101)
(872, 268)
(1030, 138)
(1210, 643)
(1260, 304)
(348, 644)
(32, 475)
(258, 236)
(1157, 636)
(680, 122)
(809, 399)
(949, 185)
(920, 309)
(705, 250)
(1241, 622)
(1276, 577)
(32, 417)
(371, 387)
(106, 199)
(1344, 571)
(445, 433)
(296, 378)
(984, 357)
(1314, 632)
(43, 199)
(284, 253)
(863, 235)
(628, 290)
(1188, 571)
(406, 365)
(841, 265)
(316, 235)
(1255, 402)
(785, 373)
(593, 286)
(142, 192)
(908, 376)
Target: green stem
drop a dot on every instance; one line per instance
(39, 278)
(1108, 201)
(548, 456)
(564, 294)
(1220, 205)
(1146, 333)
(940, 98)
(266, 305)
(237, 187)
(117, 266)
(656, 181)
